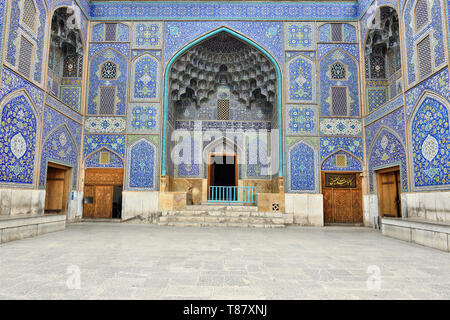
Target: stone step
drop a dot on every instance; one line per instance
(226, 214)
(220, 224)
(221, 219)
(216, 207)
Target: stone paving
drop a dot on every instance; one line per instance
(125, 261)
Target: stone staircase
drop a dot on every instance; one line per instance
(207, 215)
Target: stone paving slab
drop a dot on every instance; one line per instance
(123, 261)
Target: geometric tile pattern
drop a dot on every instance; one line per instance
(430, 144)
(376, 98)
(147, 35)
(143, 118)
(18, 137)
(412, 38)
(299, 36)
(246, 10)
(301, 119)
(71, 96)
(16, 29)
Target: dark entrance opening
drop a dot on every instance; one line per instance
(224, 171)
(117, 202)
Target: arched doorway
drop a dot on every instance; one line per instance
(222, 85)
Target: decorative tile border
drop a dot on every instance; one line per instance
(201, 10)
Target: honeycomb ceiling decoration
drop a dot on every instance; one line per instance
(223, 61)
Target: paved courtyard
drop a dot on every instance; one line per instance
(148, 262)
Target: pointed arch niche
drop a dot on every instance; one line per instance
(222, 82)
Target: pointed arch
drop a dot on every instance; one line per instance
(103, 148)
(142, 164)
(348, 154)
(56, 148)
(19, 134)
(145, 65)
(301, 74)
(428, 134)
(190, 45)
(305, 162)
(387, 150)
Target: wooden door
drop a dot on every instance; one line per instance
(54, 190)
(103, 201)
(99, 192)
(89, 205)
(342, 197)
(389, 193)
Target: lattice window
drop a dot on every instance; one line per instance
(110, 31)
(104, 157)
(29, 14)
(377, 67)
(421, 14)
(336, 32)
(25, 57)
(80, 66)
(109, 70)
(338, 71)
(339, 101)
(341, 161)
(223, 109)
(424, 57)
(107, 100)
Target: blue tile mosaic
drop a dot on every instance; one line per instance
(302, 80)
(330, 145)
(301, 120)
(430, 144)
(93, 161)
(145, 81)
(175, 10)
(302, 168)
(387, 151)
(59, 147)
(113, 142)
(141, 165)
(269, 35)
(352, 164)
(96, 81)
(350, 81)
(18, 140)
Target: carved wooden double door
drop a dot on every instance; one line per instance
(99, 195)
(342, 197)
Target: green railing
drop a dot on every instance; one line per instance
(224, 194)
